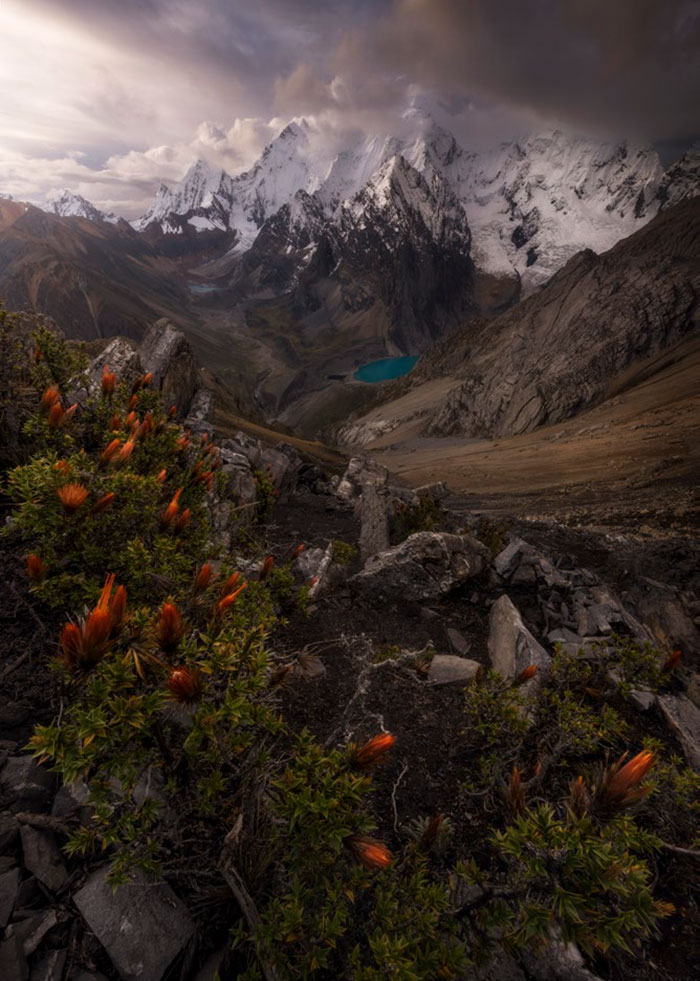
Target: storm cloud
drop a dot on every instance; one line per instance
(111, 97)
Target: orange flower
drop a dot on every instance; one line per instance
(117, 609)
(671, 663)
(182, 520)
(133, 402)
(203, 578)
(170, 628)
(48, 399)
(62, 467)
(72, 497)
(170, 513)
(161, 477)
(266, 567)
(185, 684)
(229, 584)
(229, 599)
(370, 852)
(71, 640)
(147, 379)
(56, 414)
(110, 451)
(526, 674)
(181, 444)
(373, 752)
(172, 412)
(36, 569)
(297, 551)
(131, 422)
(102, 503)
(141, 382)
(620, 784)
(109, 381)
(115, 423)
(85, 644)
(146, 427)
(124, 454)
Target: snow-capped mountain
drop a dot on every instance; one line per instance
(68, 204)
(530, 204)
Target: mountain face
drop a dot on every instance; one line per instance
(562, 349)
(530, 205)
(95, 278)
(67, 204)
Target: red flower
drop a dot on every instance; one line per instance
(229, 599)
(72, 497)
(133, 402)
(185, 684)
(297, 551)
(62, 467)
(526, 674)
(56, 415)
(102, 503)
(515, 796)
(182, 520)
(48, 399)
(203, 578)
(229, 584)
(620, 785)
(115, 423)
(109, 381)
(171, 512)
(161, 477)
(373, 752)
(71, 640)
(131, 422)
(147, 379)
(671, 663)
(181, 444)
(170, 628)
(266, 567)
(146, 427)
(85, 644)
(110, 451)
(36, 570)
(172, 412)
(370, 852)
(124, 454)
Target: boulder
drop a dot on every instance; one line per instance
(9, 887)
(50, 967)
(283, 463)
(432, 492)
(143, 926)
(360, 471)
(512, 648)
(166, 353)
(683, 717)
(13, 963)
(122, 358)
(9, 831)
(448, 669)
(313, 566)
(374, 522)
(423, 567)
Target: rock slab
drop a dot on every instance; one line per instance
(143, 926)
(512, 647)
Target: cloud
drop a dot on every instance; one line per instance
(112, 97)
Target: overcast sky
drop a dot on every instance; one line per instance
(110, 96)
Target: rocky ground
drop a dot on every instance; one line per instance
(392, 635)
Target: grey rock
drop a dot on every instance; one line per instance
(458, 641)
(507, 561)
(501, 967)
(360, 471)
(7, 862)
(143, 926)
(642, 699)
(42, 857)
(71, 798)
(512, 647)
(29, 784)
(374, 522)
(13, 963)
(211, 968)
(32, 931)
(448, 669)
(423, 567)
(121, 356)
(166, 353)
(50, 967)
(9, 886)
(9, 831)
(432, 492)
(683, 717)
(314, 564)
(559, 961)
(201, 407)
(283, 463)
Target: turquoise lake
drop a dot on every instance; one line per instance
(385, 369)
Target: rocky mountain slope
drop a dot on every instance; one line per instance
(68, 204)
(97, 278)
(561, 350)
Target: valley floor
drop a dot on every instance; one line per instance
(631, 463)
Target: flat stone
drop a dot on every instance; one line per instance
(143, 926)
(512, 647)
(32, 931)
(70, 798)
(683, 716)
(30, 785)
(507, 560)
(9, 887)
(432, 492)
(42, 857)
(374, 522)
(50, 967)
(642, 699)
(166, 353)
(7, 862)
(448, 669)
